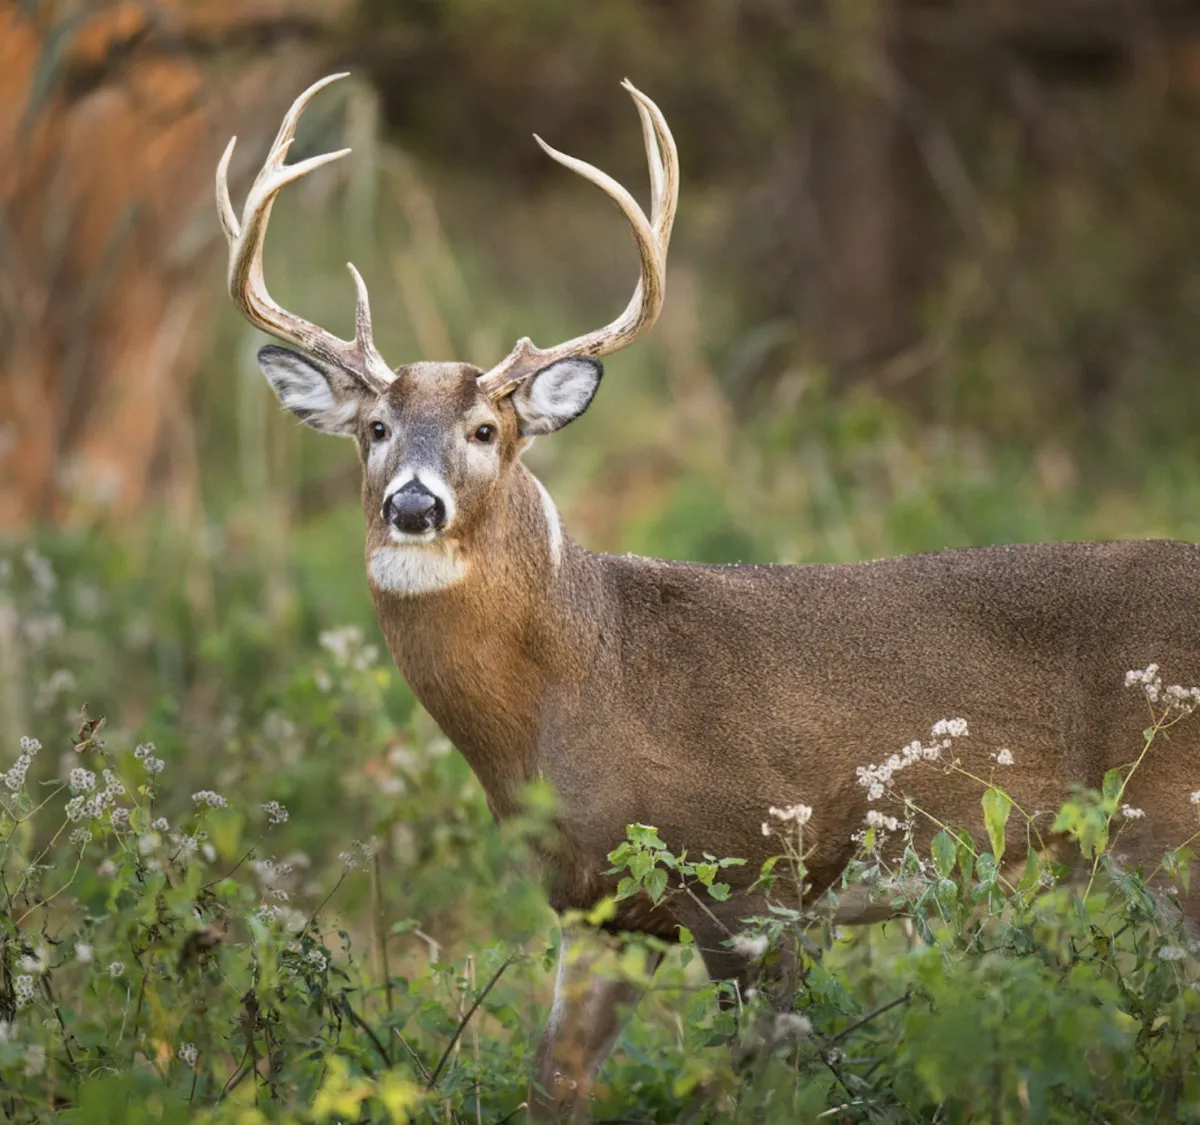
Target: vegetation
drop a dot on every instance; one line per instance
(286, 899)
(264, 888)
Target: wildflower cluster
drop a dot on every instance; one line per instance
(799, 815)
(358, 856)
(877, 779)
(83, 807)
(276, 813)
(145, 754)
(209, 798)
(23, 989)
(1176, 700)
(347, 647)
(14, 778)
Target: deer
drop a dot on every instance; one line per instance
(694, 697)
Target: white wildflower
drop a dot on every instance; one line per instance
(209, 798)
(276, 813)
(35, 1060)
(949, 728)
(317, 959)
(38, 963)
(747, 946)
(107, 868)
(159, 824)
(209, 852)
(23, 989)
(84, 953)
(144, 750)
(1004, 757)
(15, 777)
(153, 766)
(1139, 677)
(148, 842)
(41, 571)
(115, 969)
(188, 1054)
(800, 815)
(1171, 953)
(1130, 813)
(876, 819)
(81, 779)
(119, 816)
(789, 1025)
(30, 746)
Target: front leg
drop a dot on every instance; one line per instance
(591, 1004)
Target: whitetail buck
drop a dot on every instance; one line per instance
(693, 697)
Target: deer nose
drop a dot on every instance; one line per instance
(414, 509)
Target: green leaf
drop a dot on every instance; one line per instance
(996, 808)
(944, 852)
(719, 891)
(706, 873)
(1114, 782)
(656, 883)
(646, 835)
(627, 888)
(1033, 870)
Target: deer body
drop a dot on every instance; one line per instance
(695, 697)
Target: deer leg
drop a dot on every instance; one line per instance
(591, 1004)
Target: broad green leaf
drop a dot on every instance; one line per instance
(656, 883)
(996, 808)
(943, 851)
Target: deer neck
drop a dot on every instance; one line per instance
(481, 653)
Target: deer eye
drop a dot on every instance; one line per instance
(485, 434)
(378, 431)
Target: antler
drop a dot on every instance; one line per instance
(651, 235)
(357, 357)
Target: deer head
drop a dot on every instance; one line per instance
(437, 441)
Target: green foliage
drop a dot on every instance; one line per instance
(321, 966)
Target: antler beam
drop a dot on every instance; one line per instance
(652, 237)
(247, 286)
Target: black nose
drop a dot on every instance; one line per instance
(414, 509)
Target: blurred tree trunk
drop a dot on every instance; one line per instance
(868, 213)
(111, 123)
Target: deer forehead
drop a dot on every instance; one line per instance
(432, 393)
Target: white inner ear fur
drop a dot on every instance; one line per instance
(556, 395)
(418, 568)
(309, 392)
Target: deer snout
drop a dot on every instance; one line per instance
(413, 509)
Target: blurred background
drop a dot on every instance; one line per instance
(934, 282)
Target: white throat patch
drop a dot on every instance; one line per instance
(416, 568)
(553, 525)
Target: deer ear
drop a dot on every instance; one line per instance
(556, 395)
(321, 396)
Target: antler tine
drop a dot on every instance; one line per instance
(664, 174)
(651, 236)
(247, 286)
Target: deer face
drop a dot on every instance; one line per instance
(434, 448)
(436, 439)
